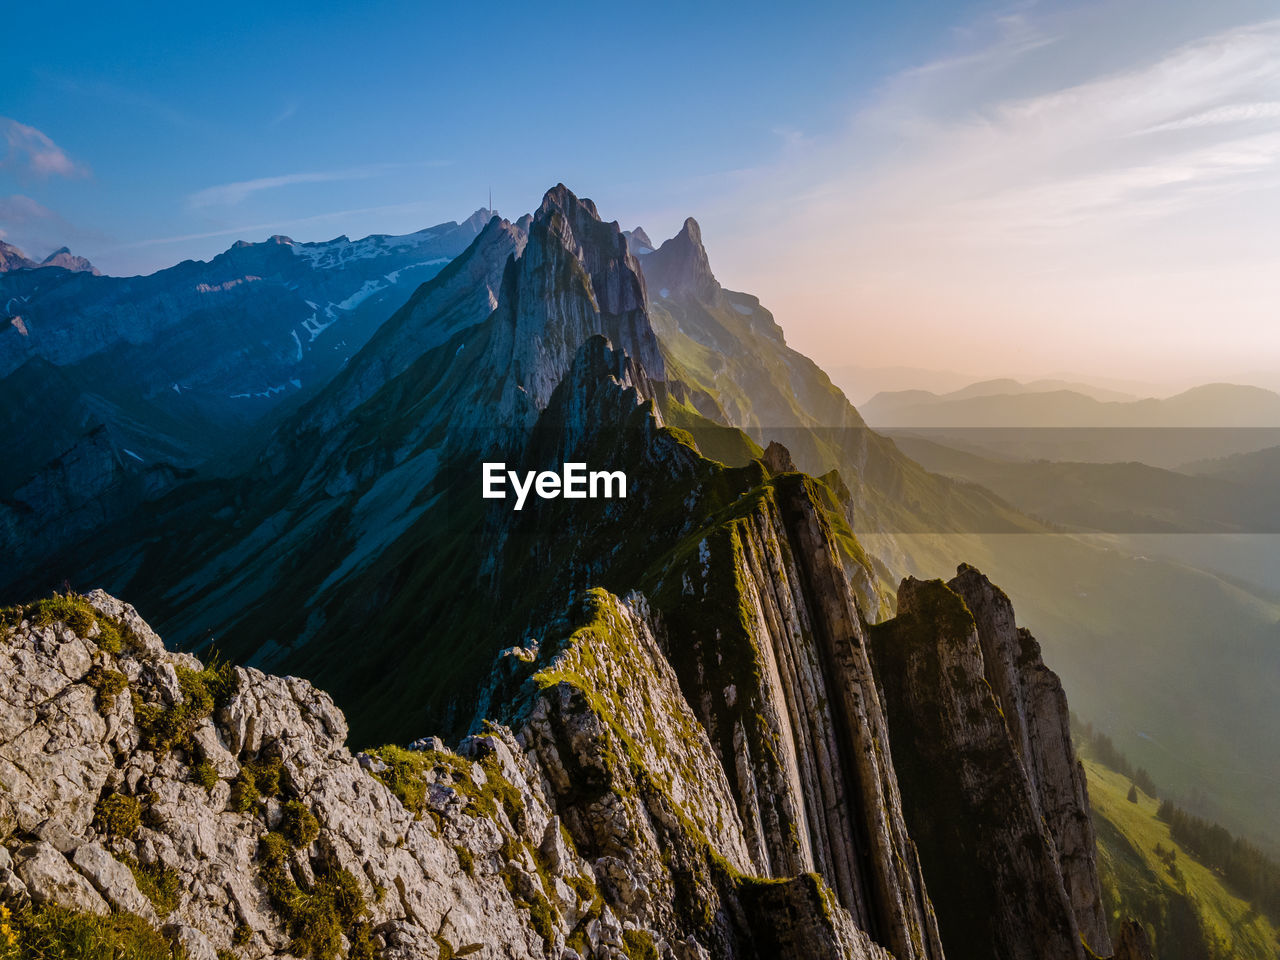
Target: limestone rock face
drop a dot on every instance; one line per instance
(1035, 709)
(49, 878)
(588, 829)
(988, 850)
(575, 279)
(761, 628)
(12, 258)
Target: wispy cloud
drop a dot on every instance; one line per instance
(17, 210)
(32, 151)
(1229, 114)
(261, 229)
(231, 194)
(1007, 199)
(126, 103)
(37, 229)
(289, 110)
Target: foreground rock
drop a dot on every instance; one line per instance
(217, 802)
(979, 728)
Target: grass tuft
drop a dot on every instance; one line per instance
(52, 932)
(117, 815)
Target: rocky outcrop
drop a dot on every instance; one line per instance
(647, 775)
(1132, 942)
(770, 651)
(646, 799)
(1035, 710)
(453, 849)
(988, 851)
(680, 267)
(63, 257)
(12, 258)
(575, 279)
(208, 800)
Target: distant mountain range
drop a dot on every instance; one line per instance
(1240, 494)
(112, 389)
(1044, 404)
(1007, 420)
(11, 258)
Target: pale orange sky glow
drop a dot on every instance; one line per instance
(998, 213)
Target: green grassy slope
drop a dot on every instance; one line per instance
(1188, 911)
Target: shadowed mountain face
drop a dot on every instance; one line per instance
(113, 390)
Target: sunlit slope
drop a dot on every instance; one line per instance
(1188, 911)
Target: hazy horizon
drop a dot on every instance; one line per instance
(1010, 190)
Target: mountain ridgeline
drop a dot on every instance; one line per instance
(677, 732)
(114, 390)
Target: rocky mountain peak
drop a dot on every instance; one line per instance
(12, 258)
(477, 220)
(639, 241)
(63, 257)
(563, 199)
(680, 266)
(575, 279)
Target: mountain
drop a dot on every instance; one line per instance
(11, 258)
(1260, 468)
(885, 405)
(347, 545)
(1147, 647)
(62, 257)
(682, 675)
(220, 807)
(116, 389)
(985, 388)
(729, 348)
(862, 383)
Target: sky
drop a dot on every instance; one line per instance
(1023, 189)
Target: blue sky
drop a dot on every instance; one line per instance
(409, 111)
(996, 187)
